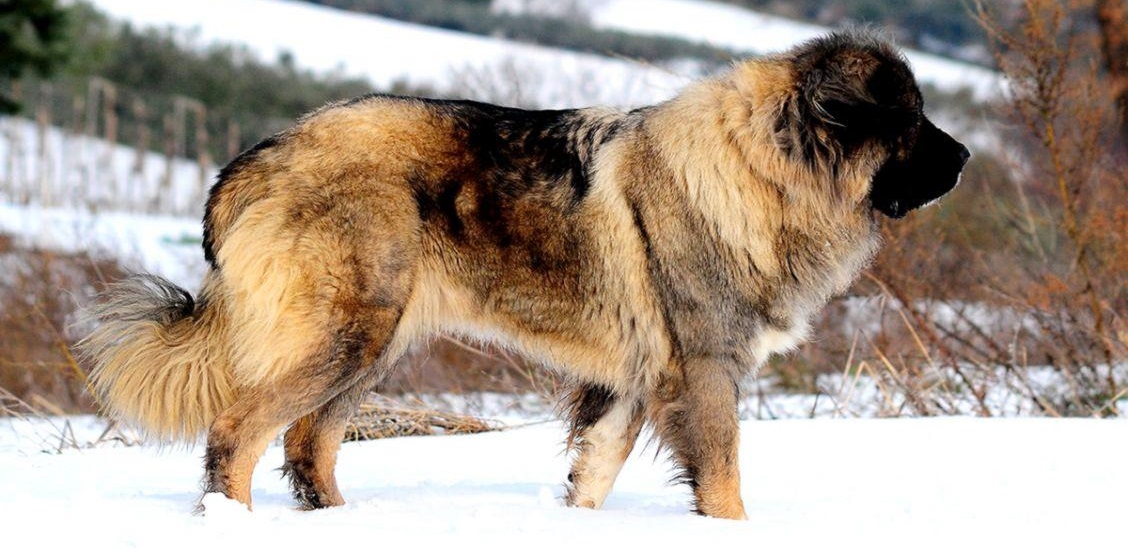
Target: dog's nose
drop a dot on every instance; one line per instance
(964, 155)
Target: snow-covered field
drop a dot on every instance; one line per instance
(165, 245)
(385, 51)
(743, 30)
(50, 166)
(919, 483)
(823, 483)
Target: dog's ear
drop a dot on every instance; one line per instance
(848, 91)
(885, 106)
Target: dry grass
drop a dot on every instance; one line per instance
(40, 292)
(451, 365)
(53, 429)
(41, 382)
(1021, 269)
(381, 417)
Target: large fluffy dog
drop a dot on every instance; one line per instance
(654, 257)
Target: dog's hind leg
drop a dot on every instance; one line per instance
(319, 277)
(356, 332)
(695, 414)
(313, 441)
(241, 433)
(320, 395)
(603, 428)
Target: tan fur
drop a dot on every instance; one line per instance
(720, 498)
(171, 381)
(653, 258)
(316, 452)
(602, 452)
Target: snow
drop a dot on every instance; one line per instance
(924, 483)
(50, 166)
(386, 51)
(165, 245)
(80, 194)
(493, 69)
(744, 30)
(829, 482)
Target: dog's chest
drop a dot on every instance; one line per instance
(810, 281)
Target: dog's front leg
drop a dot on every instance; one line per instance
(697, 419)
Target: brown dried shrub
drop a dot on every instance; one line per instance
(40, 292)
(1023, 265)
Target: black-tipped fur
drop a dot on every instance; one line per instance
(654, 257)
(144, 297)
(851, 89)
(301, 484)
(230, 170)
(583, 406)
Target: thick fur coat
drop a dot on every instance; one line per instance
(653, 257)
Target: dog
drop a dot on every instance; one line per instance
(653, 257)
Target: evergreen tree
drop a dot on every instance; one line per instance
(33, 37)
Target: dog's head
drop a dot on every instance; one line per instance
(856, 99)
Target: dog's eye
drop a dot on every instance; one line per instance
(908, 140)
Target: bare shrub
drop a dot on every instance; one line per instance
(1014, 288)
(550, 84)
(382, 418)
(39, 295)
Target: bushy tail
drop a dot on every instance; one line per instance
(160, 359)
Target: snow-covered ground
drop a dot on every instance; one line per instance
(825, 483)
(72, 193)
(919, 483)
(50, 166)
(166, 245)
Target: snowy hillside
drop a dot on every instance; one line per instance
(73, 193)
(51, 166)
(386, 51)
(165, 245)
(937, 483)
(842, 478)
(75, 171)
(742, 30)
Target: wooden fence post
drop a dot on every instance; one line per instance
(72, 147)
(101, 102)
(15, 165)
(171, 142)
(45, 170)
(141, 150)
(77, 167)
(203, 157)
(233, 140)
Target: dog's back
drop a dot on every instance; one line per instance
(654, 257)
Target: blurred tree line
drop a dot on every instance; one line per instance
(476, 17)
(45, 42)
(943, 27)
(32, 39)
